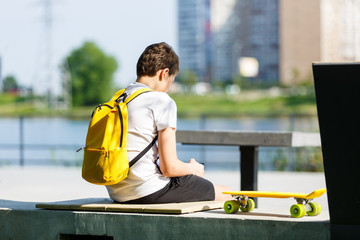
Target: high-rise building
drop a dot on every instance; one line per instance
(225, 45)
(258, 32)
(214, 35)
(285, 36)
(194, 37)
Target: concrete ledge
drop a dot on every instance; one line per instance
(21, 188)
(214, 224)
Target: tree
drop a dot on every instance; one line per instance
(91, 73)
(187, 78)
(10, 83)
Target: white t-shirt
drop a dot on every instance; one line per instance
(148, 113)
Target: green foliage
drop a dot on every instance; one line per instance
(280, 160)
(309, 159)
(213, 105)
(248, 103)
(251, 84)
(91, 74)
(9, 83)
(305, 159)
(187, 78)
(240, 81)
(7, 98)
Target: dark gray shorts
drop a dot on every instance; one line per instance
(189, 188)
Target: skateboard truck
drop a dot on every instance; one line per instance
(305, 202)
(243, 200)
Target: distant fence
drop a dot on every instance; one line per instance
(215, 157)
(21, 147)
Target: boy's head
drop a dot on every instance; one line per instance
(156, 57)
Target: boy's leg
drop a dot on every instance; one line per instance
(219, 196)
(189, 188)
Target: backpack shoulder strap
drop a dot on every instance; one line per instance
(128, 99)
(117, 95)
(135, 94)
(142, 153)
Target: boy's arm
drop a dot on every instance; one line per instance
(170, 165)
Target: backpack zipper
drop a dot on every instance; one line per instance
(121, 120)
(121, 125)
(99, 106)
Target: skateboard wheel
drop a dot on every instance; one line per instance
(297, 210)
(249, 206)
(231, 206)
(316, 209)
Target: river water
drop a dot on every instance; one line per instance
(53, 141)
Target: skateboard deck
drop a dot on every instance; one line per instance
(304, 201)
(314, 194)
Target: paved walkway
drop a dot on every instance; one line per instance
(48, 184)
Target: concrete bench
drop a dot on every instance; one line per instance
(249, 143)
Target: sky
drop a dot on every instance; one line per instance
(122, 29)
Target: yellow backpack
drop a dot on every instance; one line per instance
(105, 154)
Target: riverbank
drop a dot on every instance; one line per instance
(251, 103)
(255, 103)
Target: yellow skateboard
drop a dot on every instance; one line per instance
(303, 206)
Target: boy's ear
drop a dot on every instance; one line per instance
(163, 73)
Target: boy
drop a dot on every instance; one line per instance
(159, 177)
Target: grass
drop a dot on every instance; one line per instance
(211, 105)
(222, 105)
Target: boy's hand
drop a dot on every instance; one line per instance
(197, 167)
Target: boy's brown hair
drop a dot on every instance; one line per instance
(156, 57)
